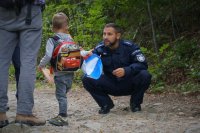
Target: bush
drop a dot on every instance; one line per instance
(178, 64)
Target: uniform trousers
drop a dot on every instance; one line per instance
(101, 88)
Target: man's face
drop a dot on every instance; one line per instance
(110, 36)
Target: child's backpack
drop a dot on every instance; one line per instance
(66, 56)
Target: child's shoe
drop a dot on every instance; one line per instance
(59, 121)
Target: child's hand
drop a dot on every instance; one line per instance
(90, 52)
(39, 68)
(86, 54)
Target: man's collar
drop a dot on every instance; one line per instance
(118, 49)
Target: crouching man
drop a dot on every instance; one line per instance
(124, 68)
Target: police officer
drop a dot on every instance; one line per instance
(125, 71)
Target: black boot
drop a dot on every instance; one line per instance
(135, 108)
(106, 109)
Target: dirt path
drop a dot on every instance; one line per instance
(166, 113)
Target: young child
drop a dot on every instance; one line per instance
(62, 80)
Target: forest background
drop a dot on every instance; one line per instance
(168, 32)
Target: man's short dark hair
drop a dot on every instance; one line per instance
(115, 26)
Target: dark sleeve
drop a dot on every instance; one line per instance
(95, 51)
(138, 61)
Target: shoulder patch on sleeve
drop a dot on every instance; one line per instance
(140, 57)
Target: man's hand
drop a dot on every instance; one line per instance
(119, 72)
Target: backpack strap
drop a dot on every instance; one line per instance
(28, 16)
(56, 40)
(55, 53)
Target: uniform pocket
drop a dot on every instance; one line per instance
(36, 16)
(36, 10)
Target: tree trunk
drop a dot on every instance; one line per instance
(172, 19)
(152, 27)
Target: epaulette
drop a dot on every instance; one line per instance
(128, 43)
(99, 45)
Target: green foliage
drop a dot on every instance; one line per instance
(39, 75)
(12, 73)
(88, 26)
(77, 77)
(86, 21)
(188, 87)
(179, 64)
(188, 55)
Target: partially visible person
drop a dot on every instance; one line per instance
(124, 71)
(62, 80)
(20, 24)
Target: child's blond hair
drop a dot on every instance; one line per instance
(60, 20)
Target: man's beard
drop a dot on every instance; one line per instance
(112, 44)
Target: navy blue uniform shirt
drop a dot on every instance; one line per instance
(127, 56)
